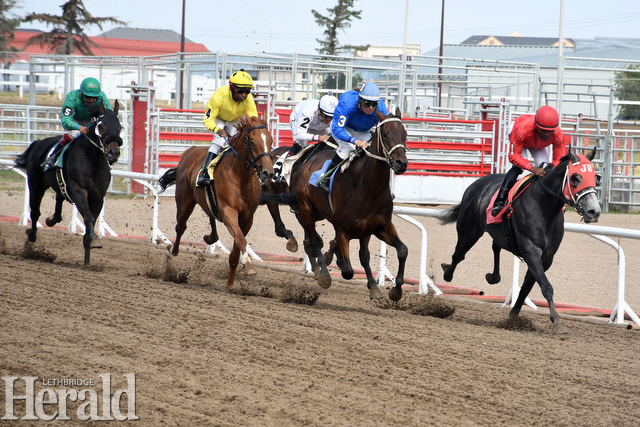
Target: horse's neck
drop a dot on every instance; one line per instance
(367, 170)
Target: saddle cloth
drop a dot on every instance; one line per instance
(515, 191)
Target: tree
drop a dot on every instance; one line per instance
(68, 36)
(8, 25)
(338, 18)
(627, 88)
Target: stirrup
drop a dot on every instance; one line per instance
(324, 185)
(497, 208)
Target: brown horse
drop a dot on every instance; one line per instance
(360, 205)
(236, 188)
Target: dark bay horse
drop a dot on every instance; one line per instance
(236, 188)
(85, 174)
(537, 221)
(360, 205)
(281, 187)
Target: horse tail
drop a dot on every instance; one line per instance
(450, 215)
(167, 179)
(280, 198)
(21, 159)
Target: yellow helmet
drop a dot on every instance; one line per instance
(241, 79)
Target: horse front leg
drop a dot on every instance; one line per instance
(494, 277)
(230, 220)
(390, 237)
(212, 237)
(57, 213)
(313, 247)
(280, 229)
(365, 261)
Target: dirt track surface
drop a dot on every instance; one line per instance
(203, 356)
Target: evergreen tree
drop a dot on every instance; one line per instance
(338, 18)
(68, 36)
(8, 24)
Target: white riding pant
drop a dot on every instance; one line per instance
(539, 155)
(345, 147)
(218, 142)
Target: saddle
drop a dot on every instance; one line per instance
(209, 189)
(288, 162)
(515, 191)
(60, 156)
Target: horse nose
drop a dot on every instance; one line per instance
(399, 166)
(592, 215)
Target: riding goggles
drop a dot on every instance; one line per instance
(241, 90)
(367, 104)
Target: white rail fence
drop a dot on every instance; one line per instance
(425, 283)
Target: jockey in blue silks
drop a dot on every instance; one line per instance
(353, 120)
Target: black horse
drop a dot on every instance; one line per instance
(83, 179)
(536, 227)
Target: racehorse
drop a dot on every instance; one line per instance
(360, 205)
(235, 193)
(281, 187)
(536, 227)
(83, 178)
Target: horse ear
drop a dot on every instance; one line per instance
(116, 106)
(573, 156)
(398, 112)
(592, 154)
(100, 109)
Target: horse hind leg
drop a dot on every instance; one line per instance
(35, 199)
(280, 229)
(494, 277)
(57, 214)
(183, 213)
(212, 237)
(466, 239)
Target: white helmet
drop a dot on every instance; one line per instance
(328, 104)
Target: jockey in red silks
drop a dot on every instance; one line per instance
(535, 133)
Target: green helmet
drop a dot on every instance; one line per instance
(90, 87)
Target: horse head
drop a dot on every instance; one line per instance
(257, 146)
(579, 186)
(107, 132)
(390, 141)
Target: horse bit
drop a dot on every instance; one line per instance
(247, 148)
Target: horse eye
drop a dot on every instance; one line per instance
(598, 179)
(576, 180)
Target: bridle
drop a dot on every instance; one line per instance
(380, 147)
(100, 145)
(252, 161)
(569, 195)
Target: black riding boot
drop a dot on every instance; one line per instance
(51, 160)
(203, 176)
(277, 167)
(324, 182)
(509, 179)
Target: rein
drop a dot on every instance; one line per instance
(380, 146)
(253, 161)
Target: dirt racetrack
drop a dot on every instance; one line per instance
(261, 356)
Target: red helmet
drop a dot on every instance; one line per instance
(547, 118)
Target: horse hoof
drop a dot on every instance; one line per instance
(324, 281)
(492, 280)
(559, 329)
(249, 270)
(31, 238)
(395, 293)
(170, 249)
(444, 266)
(374, 293)
(208, 240)
(328, 257)
(292, 245)
(50, 221)
(95, 244)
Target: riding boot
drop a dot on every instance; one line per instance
(51, 160)
(203, 176)
(277, 167)
(325, 180)
(509, 179)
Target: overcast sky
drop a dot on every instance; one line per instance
(287, 26)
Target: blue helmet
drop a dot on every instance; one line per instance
(370, 92)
